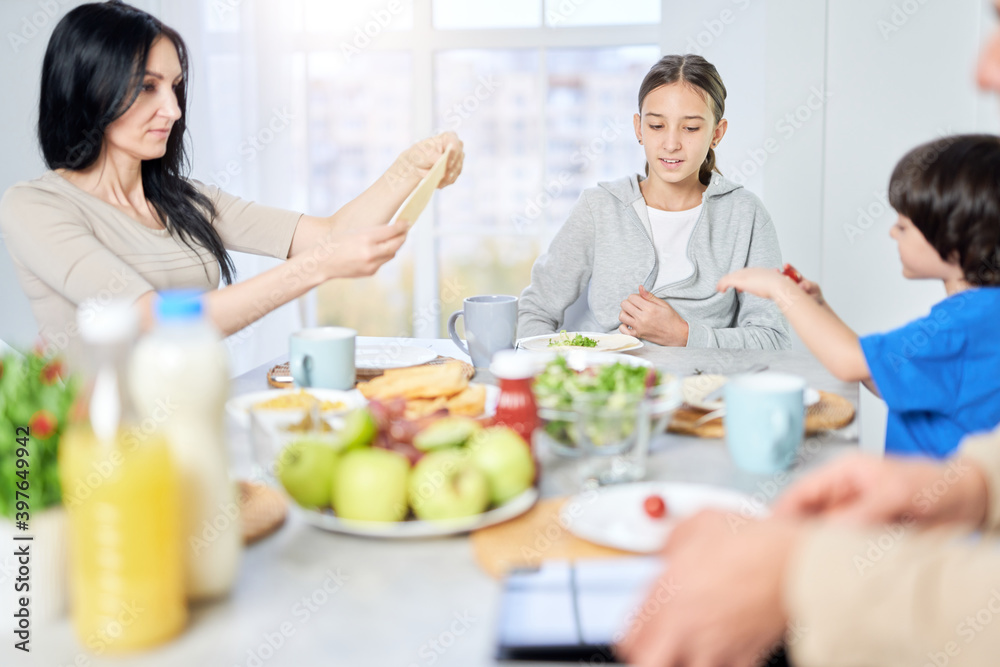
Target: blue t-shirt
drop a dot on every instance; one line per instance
(940, 375)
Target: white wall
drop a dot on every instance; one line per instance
(25, 28)
(893, 89)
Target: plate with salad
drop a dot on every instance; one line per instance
(580, 340)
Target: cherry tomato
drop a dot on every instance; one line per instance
(792, 273)
(655, 507)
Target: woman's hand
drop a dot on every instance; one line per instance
(720, 600)
(357, 253)
(421, 156)
(866, 490)
(646, 316)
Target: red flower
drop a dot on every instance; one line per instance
(42, 424)
(1, 369)
(51, 372)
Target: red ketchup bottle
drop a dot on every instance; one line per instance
(516, 406)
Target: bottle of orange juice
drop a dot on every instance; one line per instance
(120, 489)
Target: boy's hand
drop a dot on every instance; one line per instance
(646, 316)
(765, 283)
(813, 290)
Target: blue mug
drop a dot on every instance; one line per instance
(322, 357)
(764, 420)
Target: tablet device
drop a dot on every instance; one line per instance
(576, 611)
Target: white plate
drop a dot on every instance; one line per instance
(614, 342)
(614, 516)
(578, 358)
(238, 407)
(327, 520)
(696, 387)
(391, 356)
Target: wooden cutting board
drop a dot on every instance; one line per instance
(536, 536)
(361, 373)
(830, 413)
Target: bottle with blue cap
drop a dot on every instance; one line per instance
(180, 381)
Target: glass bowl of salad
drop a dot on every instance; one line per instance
(604, 406)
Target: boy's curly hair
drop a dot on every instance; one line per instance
(950, 189)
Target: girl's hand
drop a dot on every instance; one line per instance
(645, 316)
(765, 283)
(421, 156)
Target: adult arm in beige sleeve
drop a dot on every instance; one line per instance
(246, 226)
(62, 251)
(893, 597)
(345, 255)
(984, 451)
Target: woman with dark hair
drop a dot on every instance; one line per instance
(672, 233)
(116, 216)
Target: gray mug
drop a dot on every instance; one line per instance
(490, 326)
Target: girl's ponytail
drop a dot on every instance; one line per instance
(707, 167)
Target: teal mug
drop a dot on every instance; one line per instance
(765, 420)
(323, 357)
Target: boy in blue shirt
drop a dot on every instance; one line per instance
(939, 375)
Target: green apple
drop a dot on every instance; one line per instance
(504, 457)
(370, 485)
(446, 432)
(305, 468)
(358, 430)
(446, 485)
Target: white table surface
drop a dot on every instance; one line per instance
(328, 599)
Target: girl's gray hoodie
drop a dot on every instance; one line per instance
(606, 244)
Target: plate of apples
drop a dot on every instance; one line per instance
(377, 474)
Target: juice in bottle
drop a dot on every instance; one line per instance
(179, 382)
(120, 490)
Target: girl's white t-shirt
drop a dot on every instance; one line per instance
(671, 233)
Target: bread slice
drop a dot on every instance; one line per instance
(468, 403)
(428, 381)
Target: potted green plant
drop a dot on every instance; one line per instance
(35, 401)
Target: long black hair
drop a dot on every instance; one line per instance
(92, 73)
(948, 188)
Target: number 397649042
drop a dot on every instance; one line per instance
(23, 466)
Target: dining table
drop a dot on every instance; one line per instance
(306, 596)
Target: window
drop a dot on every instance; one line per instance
(541, 91)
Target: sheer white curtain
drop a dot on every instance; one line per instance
(243, 117)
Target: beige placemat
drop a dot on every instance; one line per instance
(361, 373)
(830, 413)
(534, 537)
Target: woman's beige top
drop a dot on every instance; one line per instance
(69, 246)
